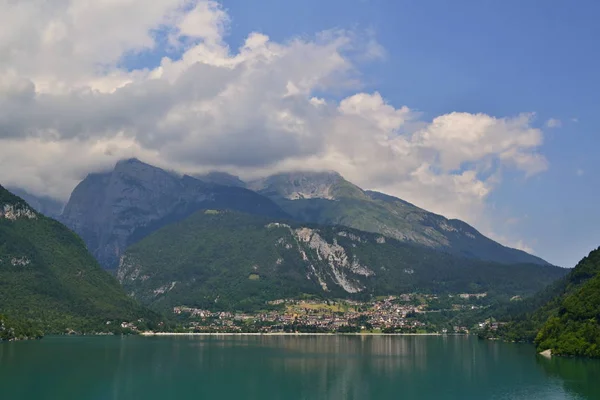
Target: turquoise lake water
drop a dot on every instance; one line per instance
(288, 367)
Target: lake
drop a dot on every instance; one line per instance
(288, 367)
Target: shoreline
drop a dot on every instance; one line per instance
(288, 334)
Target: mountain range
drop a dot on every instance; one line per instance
(214, 241)
(115, 209)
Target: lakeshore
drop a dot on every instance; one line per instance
(290, 334)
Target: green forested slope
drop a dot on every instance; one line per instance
(49, 281)
(565, 317)
(573, 327)
(229, 260)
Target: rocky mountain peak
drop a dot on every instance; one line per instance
(111, 210)
(301, 185)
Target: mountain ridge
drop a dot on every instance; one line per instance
(327, 198)
(113, 209)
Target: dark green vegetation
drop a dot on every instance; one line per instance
(575, 329)
(12, 329)
(327, 198)
(565, 317)
(50, 283)
(228, 260)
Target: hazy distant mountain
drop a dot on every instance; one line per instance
(327, 198)
(46, 205)
(49, 280)
(229, 260)
(111, 210)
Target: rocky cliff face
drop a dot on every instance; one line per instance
(300, 185)
(327, 198)
(111, 210)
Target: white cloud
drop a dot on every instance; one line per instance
(580, 172)
(554, 123)
(67, 107)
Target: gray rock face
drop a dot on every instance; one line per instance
(299, 185)
(111, 210)
(327, 198)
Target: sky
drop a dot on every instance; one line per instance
(481, 110)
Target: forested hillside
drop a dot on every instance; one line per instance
(49, 282)
(229, 260)
(574, 328)
(565, 317)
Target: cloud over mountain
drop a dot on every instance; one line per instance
(70, 104)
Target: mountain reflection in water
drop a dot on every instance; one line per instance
(288, 367)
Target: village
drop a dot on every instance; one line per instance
(390, 314)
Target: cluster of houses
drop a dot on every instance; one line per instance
(390, 312)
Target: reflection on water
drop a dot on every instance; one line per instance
(288, 367)
(580, 377)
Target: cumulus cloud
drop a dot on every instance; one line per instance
(68, 106)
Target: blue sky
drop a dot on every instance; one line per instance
(495, 57)
(173, 86)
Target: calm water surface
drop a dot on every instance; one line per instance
(288, 367)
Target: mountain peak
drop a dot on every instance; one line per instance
(111, 210)
(296, 185)
(132, 160)
(132, 163)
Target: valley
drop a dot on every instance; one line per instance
(298, 252)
